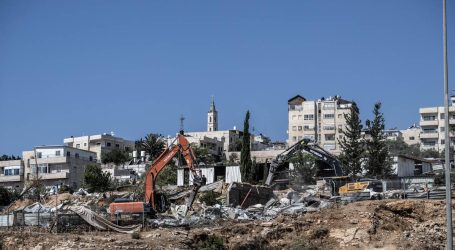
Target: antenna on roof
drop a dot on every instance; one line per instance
(181, 123)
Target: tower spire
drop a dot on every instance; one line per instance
(212, 117)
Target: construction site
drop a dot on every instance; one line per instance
(335, 213)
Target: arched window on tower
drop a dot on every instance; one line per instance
(210, 119)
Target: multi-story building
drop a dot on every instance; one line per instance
(12, 174)
(321, 121)
(99, 144)
(57, 165)
(411, 135)
(432, 126)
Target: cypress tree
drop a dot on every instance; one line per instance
(379, 163)
(245, 154)
(352, 144)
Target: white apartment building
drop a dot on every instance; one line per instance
(99, 144)
(12, 174)
(57, 165)
(321, 121)
(432, 126)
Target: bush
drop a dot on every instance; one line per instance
(135, 235)
(65, 189)
(320, 232)
(213, 242)
(96, 179)
(6, 197)
(209, 198)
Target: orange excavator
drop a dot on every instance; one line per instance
(180, 145)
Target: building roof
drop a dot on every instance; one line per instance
(298, 99)
(414, 158)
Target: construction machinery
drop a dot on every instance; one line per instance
(331, 166)
(180, 145)
(362, 189)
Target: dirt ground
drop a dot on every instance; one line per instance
(386, 224)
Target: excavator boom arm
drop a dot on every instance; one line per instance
(182, 146)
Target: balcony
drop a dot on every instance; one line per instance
(432, 110)
(10, 178)
(429, 123)
(50, 176)
(429, 135)
(55, 159)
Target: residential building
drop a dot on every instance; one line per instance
(411, 135)
(99, 144)
(12, 174)
(321, 121)
(57, 165)
(392, 134)
(432, 126)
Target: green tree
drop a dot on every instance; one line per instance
(379, 163)
(202, 154)
(115, 156)
(233, 158)
(245, 154)
(305, 169)
(352, 145)
(96, 179)
(167, 176)
(399, 147)
(6, 197)
(152, 144)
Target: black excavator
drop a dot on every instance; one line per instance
(330, 168)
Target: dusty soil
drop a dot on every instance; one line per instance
(387, 224)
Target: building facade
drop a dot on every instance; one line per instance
(12, 174)
(433, 128)
(411, 135)
(99, 144)
(57, 165)
(321, 121)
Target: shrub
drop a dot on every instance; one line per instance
(209, 198)
(135, 235)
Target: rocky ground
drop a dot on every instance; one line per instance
(386, 224)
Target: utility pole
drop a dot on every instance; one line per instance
(447, 129)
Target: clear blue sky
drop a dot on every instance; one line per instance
(132, 67)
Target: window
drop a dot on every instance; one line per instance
(429, 118)
(442, 116)
(108, 144)
(300, 138)
(210, 119)
(68, 154)
(90, 158)
(443, 141)
(330, 106)
(340, 116)
(300, 128)
(329, 127)
(294, 128)
(117, 145)
(293, 117)
(39, 155)
(78, 145)
(85, 144)
(76, 155)
(309, 137)
(57, 153)
(294, 138)
(308, 127)
(329, 116)
(308, 117)
(411, 138)
(295, 107)
(299, 117)
(330, 137)
(127, 148)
